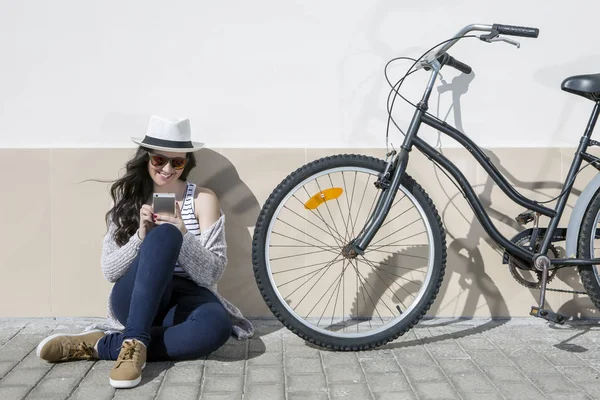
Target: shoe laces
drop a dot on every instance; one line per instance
(81, 350)
(129, 351)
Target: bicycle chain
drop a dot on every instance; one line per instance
(565, 291)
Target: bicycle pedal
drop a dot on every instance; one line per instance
(525, 217)
(547, 315)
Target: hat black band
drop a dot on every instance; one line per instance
(167, 143)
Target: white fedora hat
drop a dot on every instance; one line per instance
(168, 135)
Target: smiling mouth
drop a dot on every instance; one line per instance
(165, 176)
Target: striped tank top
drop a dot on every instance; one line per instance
(190, 221)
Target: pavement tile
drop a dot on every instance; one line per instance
(580, 374)
(452, 366)
(301, 352)
(221, 396)
(388, 382)
(492, 358)
(307, 396)
(235, 351)
(446, 350)
(554, 384)
(471, 383)
(69, 369)
(568, 396)
(349, 391)
(499, 374)
(223, 383)
(347, 374)
(179, 392)
(382, 353)
(295, 365)
(214, 367)
(306, 383)
(184, 374)
(266, 359)
(264, 391)
(520, 390)
(380, 365)
(394, 396)
(54, 387)
(483, 396)
(23, 376)
(425, 374)
(127, 394)
(435, 390)
(563, 358)
(33, 361)
(96, 392)
(13, 392)
(345, 358)
(262, 375)
(6, 366)
(266, 345)
(414, 357)
(474, 343)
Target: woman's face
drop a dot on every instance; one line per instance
(165, 167)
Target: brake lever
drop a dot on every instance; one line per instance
(494, 37)
(509, 41)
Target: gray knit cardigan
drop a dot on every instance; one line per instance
(203, 257)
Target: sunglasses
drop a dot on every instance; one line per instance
(158, 160)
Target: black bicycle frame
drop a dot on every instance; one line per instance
(399, 167)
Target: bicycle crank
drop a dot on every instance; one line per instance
(517, 267)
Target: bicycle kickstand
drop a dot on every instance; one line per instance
(540, 311)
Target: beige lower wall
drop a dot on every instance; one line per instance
(53, 225)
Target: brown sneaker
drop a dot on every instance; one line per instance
(127, 372)
(69, 347)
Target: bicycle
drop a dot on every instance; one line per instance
(323, 247)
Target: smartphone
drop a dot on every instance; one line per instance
(164, 203)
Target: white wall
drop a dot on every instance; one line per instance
(268, 73)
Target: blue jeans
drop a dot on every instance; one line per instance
(175, 318)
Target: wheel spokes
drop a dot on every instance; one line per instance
(326, 290)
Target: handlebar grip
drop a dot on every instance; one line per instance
(454, 63)
(516, 30)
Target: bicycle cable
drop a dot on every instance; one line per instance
(397, 93)
(568, 186)
(401, 81)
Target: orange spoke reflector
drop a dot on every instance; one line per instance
(322, 197)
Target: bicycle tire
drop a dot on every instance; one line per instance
(267, 290)
(588, 273)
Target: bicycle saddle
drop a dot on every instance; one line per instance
(587, 86)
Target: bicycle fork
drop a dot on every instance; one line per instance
(397, 167)
(389, 187)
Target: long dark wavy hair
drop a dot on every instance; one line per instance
(131, 191)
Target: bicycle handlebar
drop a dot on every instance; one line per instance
(454, 63)
(516, 30)
(495, 30)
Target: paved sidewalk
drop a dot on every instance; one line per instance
(439, 359)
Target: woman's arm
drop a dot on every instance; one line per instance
(204, 257)
(115, 260)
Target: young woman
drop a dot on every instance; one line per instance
(164, 304)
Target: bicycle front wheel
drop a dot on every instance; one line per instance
(338, 302)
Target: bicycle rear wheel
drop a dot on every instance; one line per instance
(589, 247)
(337, 302)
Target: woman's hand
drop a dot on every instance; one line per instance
(146, 221)
(167, 219)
